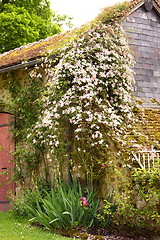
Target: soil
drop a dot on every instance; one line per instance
(111, 234)
(123, 235)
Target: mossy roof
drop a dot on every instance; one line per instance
(149, 126)
(51, 45)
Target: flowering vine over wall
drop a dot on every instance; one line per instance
(88, 100)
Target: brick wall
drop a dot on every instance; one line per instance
(143, 29)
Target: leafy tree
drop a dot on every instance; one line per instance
(26, 21)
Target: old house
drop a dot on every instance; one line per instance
(141, 22)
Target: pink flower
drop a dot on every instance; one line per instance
(83, 198)
(104, 165)
(84, 202)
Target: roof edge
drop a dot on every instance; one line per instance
(20, 65)
(156, 7)
(138, 5)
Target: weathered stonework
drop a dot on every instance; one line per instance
(143, 30)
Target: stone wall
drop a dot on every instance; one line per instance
(143, 29)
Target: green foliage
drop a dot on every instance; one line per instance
(27, 21)
(26, 104)
(146, 178)
(19, 204)
(2, 105)
(26, 107)
(139, 203)
(28, 197)
(107, 212)
(27, 162)
(62, 208)
(38, 7)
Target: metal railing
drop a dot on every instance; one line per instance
(147, 159)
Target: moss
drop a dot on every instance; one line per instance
(153, 119)
(109, 15)
(75, 232)
(114, 13)
(99, 238)
(2, 105)
(64, 39)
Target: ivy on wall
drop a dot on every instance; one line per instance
(24, 104)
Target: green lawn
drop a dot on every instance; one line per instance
(13, 229)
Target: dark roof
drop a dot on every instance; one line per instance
(51, 45)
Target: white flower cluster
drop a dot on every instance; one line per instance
(91, 88)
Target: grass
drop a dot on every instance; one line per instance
(15, 229)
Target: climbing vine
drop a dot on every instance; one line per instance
(25, 106)
(76, 106)
(87, 105)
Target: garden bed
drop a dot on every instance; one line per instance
(111, 234)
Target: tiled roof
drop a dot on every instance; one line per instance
(44, 47)
(31, 50)
(158, 2)
(150, 124)
(153, 123)
(136, 2)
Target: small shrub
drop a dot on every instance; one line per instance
(19, 204)
(107, 212)
(139, 204)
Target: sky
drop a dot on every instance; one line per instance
(82, 11)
